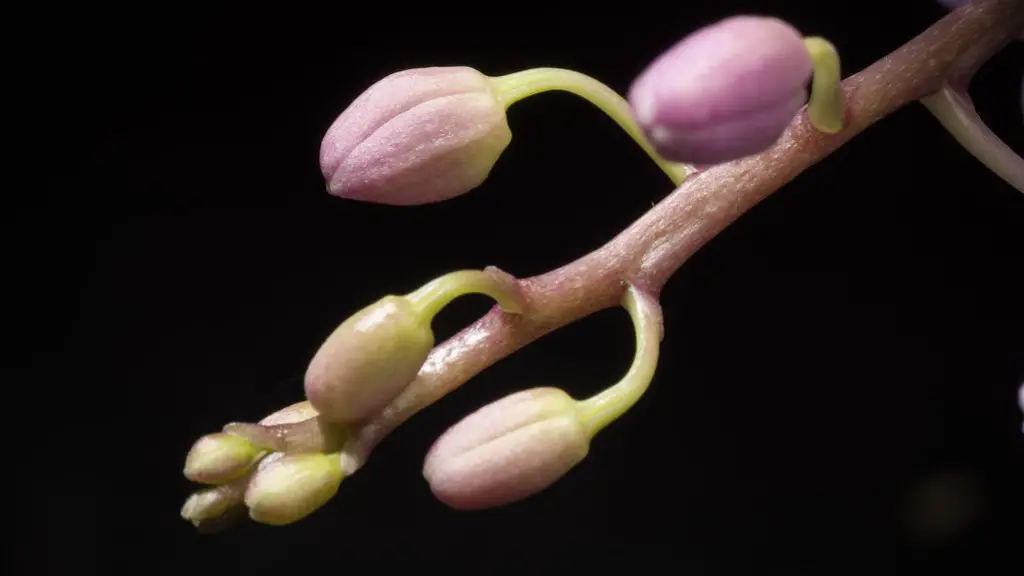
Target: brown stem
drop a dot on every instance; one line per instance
(656, 245)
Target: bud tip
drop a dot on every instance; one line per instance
(219, 458)
(293, 487)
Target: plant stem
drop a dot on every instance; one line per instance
(512, 88)
(655, 246)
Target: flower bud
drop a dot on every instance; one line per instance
(211, 503)
(415, 137)
(219, 458)
(726, 91)
(297, 412)
(507, 450)
(368, 360)
(292, 487)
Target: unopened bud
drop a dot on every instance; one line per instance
(291, 487)
(297, 412)
(368, 360)
(415, 137)
(507, 450)
(219, 458)
(211, 503)
(726, 91)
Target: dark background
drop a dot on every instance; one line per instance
(839, 372)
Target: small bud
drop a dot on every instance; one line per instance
(726, 91)
(310, 435)
(219, 458)
(507, 450)
(266, 438)
(293, 486)
(297, 412)
(211, 503)
(368, 360)
(415, 137)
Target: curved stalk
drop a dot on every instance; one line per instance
(955, 111)
(607, 406)
(512, 88)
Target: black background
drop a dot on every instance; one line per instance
(847, 343)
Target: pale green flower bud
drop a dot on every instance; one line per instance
(219, 458)
(212, 503)
(368, 360)
(293, 486)
(297, 412)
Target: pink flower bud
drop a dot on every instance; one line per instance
(723, 92)
(507, 450)
(415, 137)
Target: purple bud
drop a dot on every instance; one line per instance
(415, 137)
(723, 92)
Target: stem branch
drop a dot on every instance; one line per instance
(655, 246)
(954, 110)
